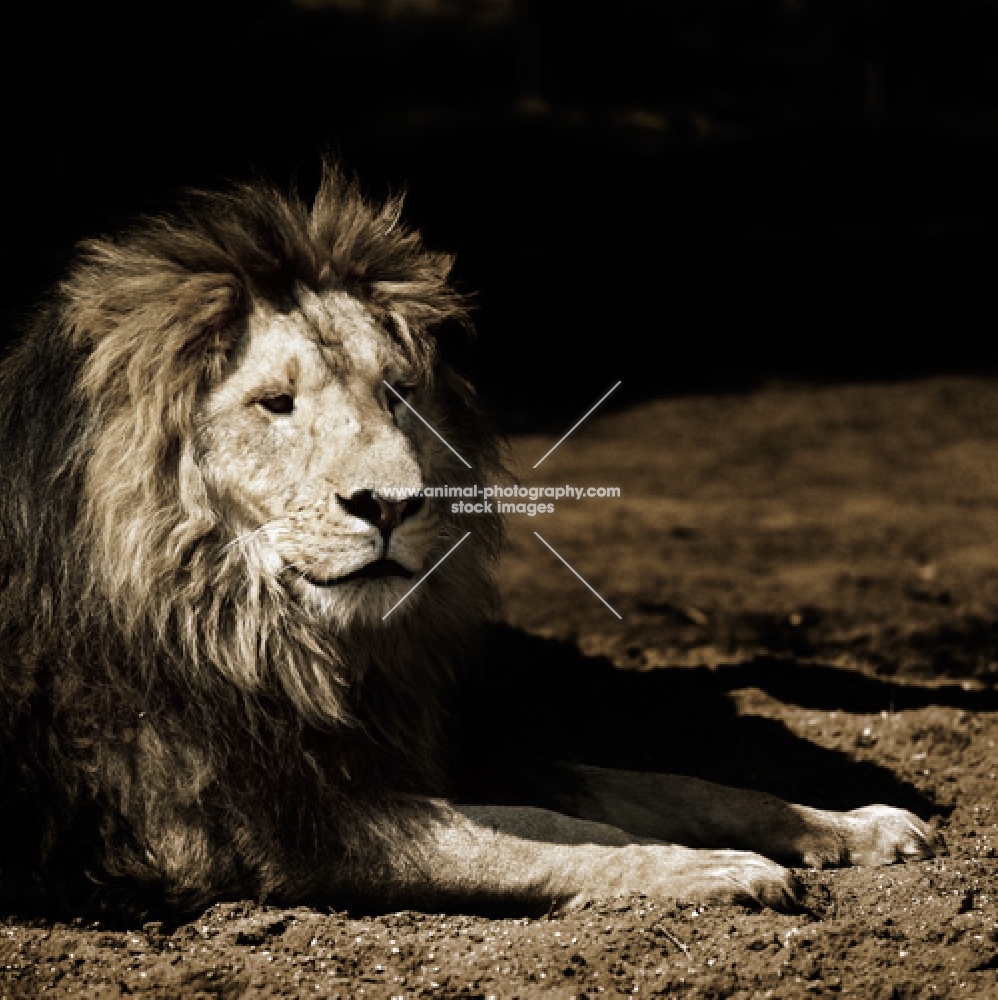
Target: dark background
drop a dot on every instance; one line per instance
(721, 191)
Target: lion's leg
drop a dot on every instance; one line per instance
(480, 856)
(698, 813)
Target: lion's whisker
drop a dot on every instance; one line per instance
(244, 537)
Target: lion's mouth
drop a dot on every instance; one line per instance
(380, 569)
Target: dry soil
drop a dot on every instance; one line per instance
(808, 580)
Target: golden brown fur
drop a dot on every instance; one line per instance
(199, 699)
(142, 645)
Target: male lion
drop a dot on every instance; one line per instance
(208, 506)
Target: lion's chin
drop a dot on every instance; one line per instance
(361, 597)
(380, 569)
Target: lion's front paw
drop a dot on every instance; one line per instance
(699, 876)
(747, 878)
(882, 835)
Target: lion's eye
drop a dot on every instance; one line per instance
(282, 403)
(403, 391)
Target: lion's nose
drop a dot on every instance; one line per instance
(386, 515)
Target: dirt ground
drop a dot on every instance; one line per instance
(808, 580)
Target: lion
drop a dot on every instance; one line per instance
(224, 658)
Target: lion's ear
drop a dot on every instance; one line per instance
(140, 320)
(211, 311)
(208, 320)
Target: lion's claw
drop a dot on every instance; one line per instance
(880, 835)
(756, 881)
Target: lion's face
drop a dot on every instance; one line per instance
(314, 463)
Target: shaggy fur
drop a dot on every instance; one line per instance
(175, 727)
(182, 720)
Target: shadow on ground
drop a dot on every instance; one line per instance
(542, 702)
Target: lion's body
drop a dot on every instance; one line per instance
(149, 668)
(205, 691)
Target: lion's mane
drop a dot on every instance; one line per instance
(135, 646)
